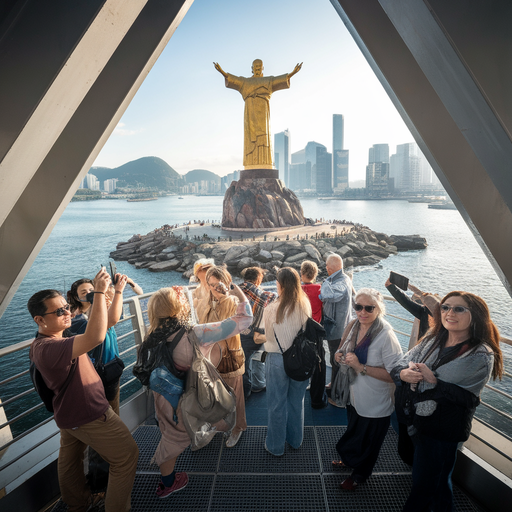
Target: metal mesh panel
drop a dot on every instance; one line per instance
(193, 498)
(388, 461)
(250, 456)
(276, 493)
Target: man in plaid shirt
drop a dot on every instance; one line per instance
(254, 377)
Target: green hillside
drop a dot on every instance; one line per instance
(149, 171)
(200, 175)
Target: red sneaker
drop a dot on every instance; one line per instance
(180, 482)
(349, 484)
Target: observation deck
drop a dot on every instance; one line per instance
(245, 477)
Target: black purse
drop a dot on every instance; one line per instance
(110, 374)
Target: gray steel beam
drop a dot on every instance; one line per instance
(430, 77)
(51, 179)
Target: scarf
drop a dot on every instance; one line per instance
(361, 350)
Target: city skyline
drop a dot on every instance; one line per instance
(183, 113)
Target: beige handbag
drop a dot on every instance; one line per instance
(206, 401)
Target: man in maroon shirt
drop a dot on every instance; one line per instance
(81, 410)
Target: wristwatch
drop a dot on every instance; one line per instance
(363, 371)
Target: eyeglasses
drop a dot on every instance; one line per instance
(458, 310)
(360, 307)
(59, 312)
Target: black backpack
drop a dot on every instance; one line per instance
(47, 395)
(301, 358)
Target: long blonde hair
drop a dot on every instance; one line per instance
(162, 305)
(292, 295)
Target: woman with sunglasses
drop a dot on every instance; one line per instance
(370, 350)
(439, 383)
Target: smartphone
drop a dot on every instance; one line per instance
(399, 280)
(113, 272)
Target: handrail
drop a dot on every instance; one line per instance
(136, 317)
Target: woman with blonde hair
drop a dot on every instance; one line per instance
(283, 320)
(169, 313)
(217, 307)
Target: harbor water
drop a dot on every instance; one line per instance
(88, 231)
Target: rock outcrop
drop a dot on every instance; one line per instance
(257, 202)
(159, 252)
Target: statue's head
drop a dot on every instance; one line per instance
(257, 67)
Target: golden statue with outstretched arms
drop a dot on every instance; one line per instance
(256, 92)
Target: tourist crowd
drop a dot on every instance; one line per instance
(244, 331)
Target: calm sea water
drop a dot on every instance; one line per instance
(88, 231)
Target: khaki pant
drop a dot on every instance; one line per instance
(110, 437)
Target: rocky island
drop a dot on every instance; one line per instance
(161, 250)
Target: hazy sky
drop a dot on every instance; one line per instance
(184, 114)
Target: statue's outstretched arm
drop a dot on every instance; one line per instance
(296, 69)
(220, 70)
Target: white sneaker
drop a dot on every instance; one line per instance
(233, 439)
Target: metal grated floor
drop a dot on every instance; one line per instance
(247, 478)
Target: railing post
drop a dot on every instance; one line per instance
(137, 320)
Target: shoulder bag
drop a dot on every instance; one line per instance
(300, 359)
(206, 401)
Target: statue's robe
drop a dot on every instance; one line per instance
(256, 92)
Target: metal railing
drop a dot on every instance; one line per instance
(131, 331)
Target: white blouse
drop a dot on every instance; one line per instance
(285, 331)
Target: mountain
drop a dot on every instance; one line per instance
(149, 171)
(200, 175)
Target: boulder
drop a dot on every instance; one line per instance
(297, 257)
(345, 251)
(235, 252)
(263, 256)
(313, 253)
(171, 248)
(277, 255)
(197, 256)
(245, 263)
(165, 266)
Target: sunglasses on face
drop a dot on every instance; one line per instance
(360, 307)
(59, 312)
(458, 310)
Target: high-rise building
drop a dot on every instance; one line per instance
(379, 153)
(339, 170)
(300, 176)
(310, 154)
(110, 185)
(338, 132)
(411, 170)
(91, 182)
(377, 175)
(323, 171)
(282, 155)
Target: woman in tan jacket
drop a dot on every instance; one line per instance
(217, 307)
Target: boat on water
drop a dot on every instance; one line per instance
(180, 197)
(61, 104)
(142, 199)
(446, 205)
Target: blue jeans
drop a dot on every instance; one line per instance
(432, 470)
(254, 376)
(285, 399)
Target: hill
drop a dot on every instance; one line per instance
(200, 175)
(148, 171)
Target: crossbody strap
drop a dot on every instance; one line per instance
(277, 339)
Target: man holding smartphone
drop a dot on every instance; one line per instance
(82, 411)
